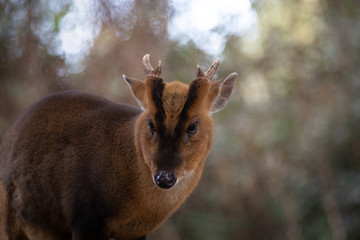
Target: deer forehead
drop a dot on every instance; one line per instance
(174, 97)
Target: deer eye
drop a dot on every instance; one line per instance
(191, 130)
(151, 127)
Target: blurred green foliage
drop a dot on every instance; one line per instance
(286, 158)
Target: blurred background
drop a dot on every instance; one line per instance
(286, 157)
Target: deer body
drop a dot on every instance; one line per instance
(78, 166)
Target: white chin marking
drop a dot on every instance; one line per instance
(185, 175)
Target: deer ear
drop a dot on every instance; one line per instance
(137, 88)
(223, 88)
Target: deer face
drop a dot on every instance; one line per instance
(175, 131)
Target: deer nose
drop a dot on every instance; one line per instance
(165, 179)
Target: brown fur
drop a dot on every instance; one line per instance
(3, 212)
(77, 166)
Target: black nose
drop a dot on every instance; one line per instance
(165, 179)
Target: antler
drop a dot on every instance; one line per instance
(149, 70)
(210, 72)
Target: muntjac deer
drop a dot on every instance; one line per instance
(78, 166)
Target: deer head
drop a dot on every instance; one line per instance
(174, 133)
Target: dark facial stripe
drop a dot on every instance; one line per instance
(156, 95)
(168, 157)
(192, 96)
(167, 147)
